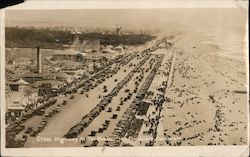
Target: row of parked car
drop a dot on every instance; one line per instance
(107, 72)
(128, 124)
(91, 82)
(46, 117)
(14, 129)
(100, 77)
(33, 131)
(159, 100)
(87, 119)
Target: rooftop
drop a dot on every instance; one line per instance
(32, 74)
(69, 52)
(19, 82)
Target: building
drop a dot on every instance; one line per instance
(18, 85)
(60, 76)
(48, 87)
(39, 75)
(119, 48)
(17, 101)
(69, 55)
(108, 49)
(34, 77)
(90, 46)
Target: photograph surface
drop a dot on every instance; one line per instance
(125, 77)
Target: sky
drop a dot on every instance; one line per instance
(230, 18)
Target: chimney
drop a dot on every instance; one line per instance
(39, 60)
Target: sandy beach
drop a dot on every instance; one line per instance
(208, 97)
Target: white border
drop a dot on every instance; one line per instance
(120, 151)
(2, 74)
(126, 4)
(188, 151)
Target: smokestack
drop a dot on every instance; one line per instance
(39, 60)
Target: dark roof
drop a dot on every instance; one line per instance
(32, 74)
(60, 74)
(44, 74)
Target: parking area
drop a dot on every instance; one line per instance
(105, 109)
(78, 105)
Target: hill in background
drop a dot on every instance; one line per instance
(45, 38)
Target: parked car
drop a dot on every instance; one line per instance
(107, 121)
(29, 130)
(114, 116)
(93, 133)
(118, 108)
(109, 109)
(100, 130)
(64, 102)
(34, 133)
(57, 109)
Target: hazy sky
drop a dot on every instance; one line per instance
(137, 18)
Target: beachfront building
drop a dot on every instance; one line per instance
(108, 50)
(18, 96)
(90, 46)
(48, 88)
(34, 77)
(18, 85)
(119, 48)
(69, 55)
(60, 76)
(112, 49)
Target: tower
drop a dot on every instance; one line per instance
(39, 60)
(118, 29)
(76, 40)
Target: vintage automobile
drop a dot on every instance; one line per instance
(118, 108)
(39, 112)
(72, 133)
(72, 96)
(100, 130)
(29, 130)
(93, 133)
(107, 121)
(109, 109)
(34, 133)
(114, 116)
(105, 126)
(64, 102)
(58, 109)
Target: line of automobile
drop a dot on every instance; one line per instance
(86, 84)
(118, 106)
(129, 125)
(19, 125)
(88, 118)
